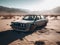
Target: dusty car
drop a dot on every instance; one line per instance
(29, 23)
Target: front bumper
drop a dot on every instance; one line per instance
(20, 28)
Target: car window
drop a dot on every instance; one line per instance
(29, 18)
(42, 17)
(26, 17)
(32, 17)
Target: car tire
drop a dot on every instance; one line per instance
(32, 28)
(45, 24)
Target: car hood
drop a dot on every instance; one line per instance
(24, 21)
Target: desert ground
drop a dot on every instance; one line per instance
(49, 35)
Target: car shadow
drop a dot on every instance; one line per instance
(6, 37)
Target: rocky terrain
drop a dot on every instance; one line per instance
(50, 35)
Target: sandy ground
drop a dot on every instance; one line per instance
(50, 35)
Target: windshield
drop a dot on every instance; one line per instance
(31, 17)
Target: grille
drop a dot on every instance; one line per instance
(22, 25)
(19, 24)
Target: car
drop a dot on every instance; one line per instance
(29, 23)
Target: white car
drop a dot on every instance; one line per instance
(29, 23)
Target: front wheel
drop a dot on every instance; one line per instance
(32, 28)
(45, 24)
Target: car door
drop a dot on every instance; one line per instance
(40, 21)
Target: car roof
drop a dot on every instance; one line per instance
(32, 15)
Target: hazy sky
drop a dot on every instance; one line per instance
(33, 5)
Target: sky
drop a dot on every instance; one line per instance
(33, 5)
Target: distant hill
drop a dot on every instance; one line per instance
(52, 11)
(5, 10)
(15, 11)
(56, 10)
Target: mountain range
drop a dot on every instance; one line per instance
(16, 11)
(7, 9)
